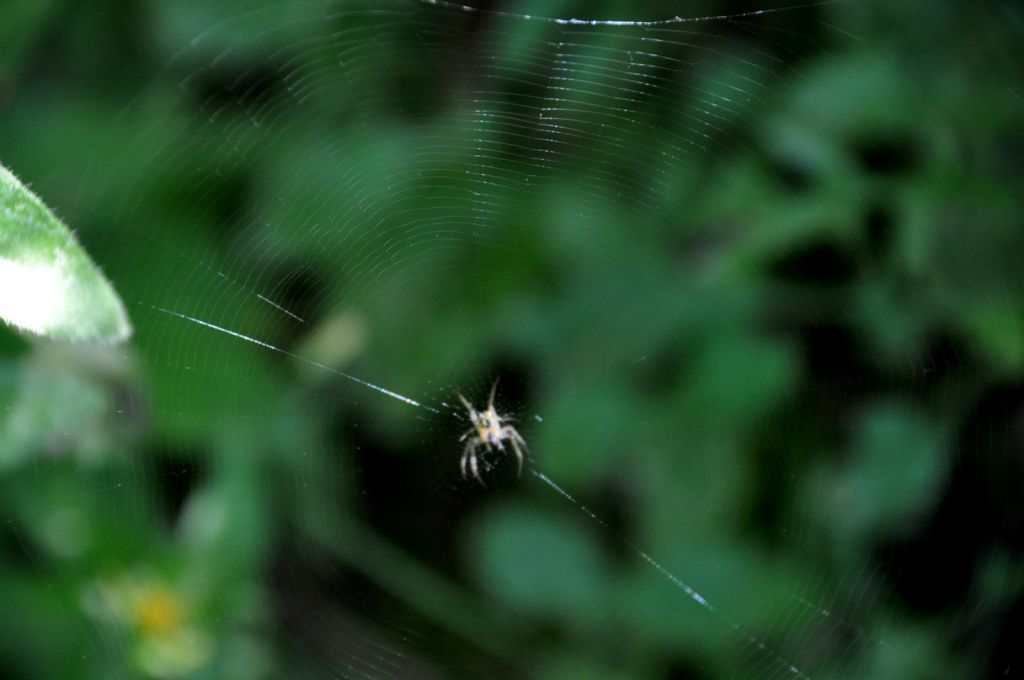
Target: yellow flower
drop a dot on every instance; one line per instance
(167, 645)
(158, 611)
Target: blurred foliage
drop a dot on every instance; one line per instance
(769, 322)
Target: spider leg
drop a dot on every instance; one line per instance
(469, 407)
(469, 456)
(519, 456)
(465, 458)
(490, 402)
(509, 432)
(473, 466)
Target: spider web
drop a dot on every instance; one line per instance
(326, 217)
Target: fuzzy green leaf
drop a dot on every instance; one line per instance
(48, 284)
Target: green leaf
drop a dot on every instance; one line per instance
(48, 284)
(895, 471)
(533, 561)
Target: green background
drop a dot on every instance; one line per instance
(752, 289)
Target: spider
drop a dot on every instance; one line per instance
(489, 430)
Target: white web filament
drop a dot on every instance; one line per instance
(267, 345)
(675, 580)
